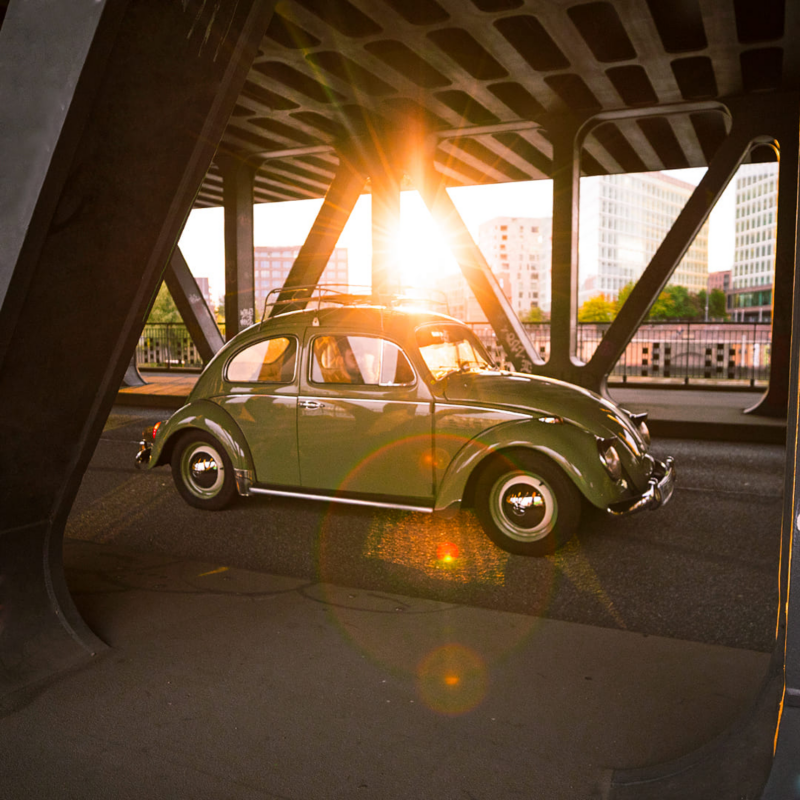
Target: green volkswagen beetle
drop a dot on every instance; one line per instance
(402, 408)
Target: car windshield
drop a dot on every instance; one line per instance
(451, 348)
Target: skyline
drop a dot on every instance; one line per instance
(424, 256)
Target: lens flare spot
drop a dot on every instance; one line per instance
(452, 680)
(447, 552)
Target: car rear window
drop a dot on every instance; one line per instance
(267, 361)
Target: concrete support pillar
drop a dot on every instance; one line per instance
(564, 281)
(240, 297)
(385, 229)
(783, 778)
(110, 114)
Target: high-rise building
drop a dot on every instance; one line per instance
(754, 253)
(272, 265)
(517, 250)
(205, 291)
(624, 219)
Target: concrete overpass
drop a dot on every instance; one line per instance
(122, 115)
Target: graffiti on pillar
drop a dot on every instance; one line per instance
(516, 349)
(246, 318)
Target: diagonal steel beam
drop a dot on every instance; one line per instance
(318, 247)
(482, 281)
(192, 306)
(672, 249)
(755, 119)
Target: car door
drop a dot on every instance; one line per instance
(364, 418)
(261, 385)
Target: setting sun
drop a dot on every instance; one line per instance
(422, 252)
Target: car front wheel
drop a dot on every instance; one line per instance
(202, 472)
(527, 505)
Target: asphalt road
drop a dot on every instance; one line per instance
(704, 568)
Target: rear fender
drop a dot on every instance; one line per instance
(570, 446)
(206, 416)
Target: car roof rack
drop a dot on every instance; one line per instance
(327, 295)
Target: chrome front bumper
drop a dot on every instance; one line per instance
(657, 494)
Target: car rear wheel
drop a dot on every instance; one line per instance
(527, 505)
(202, 472)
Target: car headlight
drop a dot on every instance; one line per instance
(609, 458)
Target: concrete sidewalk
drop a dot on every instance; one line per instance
(224, 683)
(673, 413)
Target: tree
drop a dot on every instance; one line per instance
(535, 314)
(597, 309)
(717, 305)
(164, 308)
(623, 295)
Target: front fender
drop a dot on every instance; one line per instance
(202, 415)
(570, 446)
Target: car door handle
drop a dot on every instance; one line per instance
(311, 404)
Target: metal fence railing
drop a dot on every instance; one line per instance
(168, 345)
(669, 351)
(687, 351)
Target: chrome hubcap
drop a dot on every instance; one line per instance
(524, 506)
(203, 469)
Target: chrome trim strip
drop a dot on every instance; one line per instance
(357, 399)
(345, 500)
(488, 407)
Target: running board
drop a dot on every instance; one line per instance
(346, 500)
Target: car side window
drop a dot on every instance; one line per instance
(267, 361)
(359, 360)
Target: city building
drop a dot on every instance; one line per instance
(205, 291)
(754, 254)
(272, 265)
(720, 280)
(623, 220)
(518, 250)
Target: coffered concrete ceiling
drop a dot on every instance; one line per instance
(496, 78)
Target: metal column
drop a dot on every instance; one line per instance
(784, 126)
(564, 281)
(240, 298)
(385, 228)
(127, 101)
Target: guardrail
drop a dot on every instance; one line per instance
(668, 351)
(168, 346)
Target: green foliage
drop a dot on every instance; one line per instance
(623, 295)
(716, 305)
(164, 308)
(535, 315)
(597, 309)
(677, 302)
